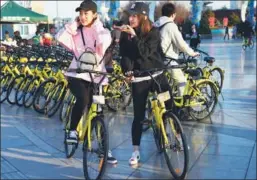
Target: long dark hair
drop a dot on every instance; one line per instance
(145, 24)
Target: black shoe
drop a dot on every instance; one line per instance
(111, 159)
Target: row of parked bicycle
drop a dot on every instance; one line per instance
(34, 76)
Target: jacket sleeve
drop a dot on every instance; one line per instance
(65, 36)
(147, 47)
(103, 38)
(179, 41)
(122, 48)
(126, 63)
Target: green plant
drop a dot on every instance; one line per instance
(204, 24)
(234, 19)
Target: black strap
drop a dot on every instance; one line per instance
(82, 36)
(83, 39)
(164, 25)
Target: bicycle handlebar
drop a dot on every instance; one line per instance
(96, 72)
(151, 71)
(200, 51)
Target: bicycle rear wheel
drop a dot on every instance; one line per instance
(13, 88)
(99, 149)
(5, 83)
(55, 99)
(30, 91)
(176, 151)
(40, 97)
(21, 90)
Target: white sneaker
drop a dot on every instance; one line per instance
(134, 158)
(72, 137)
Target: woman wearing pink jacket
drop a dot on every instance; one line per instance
(96, 38)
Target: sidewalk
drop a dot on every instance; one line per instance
(32, 145)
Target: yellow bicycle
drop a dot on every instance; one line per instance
(92, 132)
(167, 129)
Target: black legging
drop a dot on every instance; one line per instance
(83, 91)
(140, 92)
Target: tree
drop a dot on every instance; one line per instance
(224, 8)
(204, 24)
(234, 19)
(209, 13)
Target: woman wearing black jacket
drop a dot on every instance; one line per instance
(140, 50)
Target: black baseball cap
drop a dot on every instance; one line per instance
(139, 8)
(87, 5)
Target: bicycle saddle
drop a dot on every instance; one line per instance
(209, 59)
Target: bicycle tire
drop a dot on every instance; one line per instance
(122, 105)
(179, 129)
(30, 95)
(193, 113)
(8, 79)
(12, 87)
(219, 70)
(19, 97)
(67, 111)
(38, 93)
(57, 104)
(103, 153)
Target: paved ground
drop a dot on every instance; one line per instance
(32, 145)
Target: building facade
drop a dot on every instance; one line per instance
(27, 31)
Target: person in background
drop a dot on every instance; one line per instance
(53, 33)
(183, 33)
(6, 36)
(174, 44)
(234, 32)
(47, 39)
(226, 33)
(115, 32)
(194, 37)
(17, 37)
(37, 38)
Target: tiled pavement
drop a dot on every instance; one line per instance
(32, 145)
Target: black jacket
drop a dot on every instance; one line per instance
(141, 52)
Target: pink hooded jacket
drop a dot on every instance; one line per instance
(70, 37)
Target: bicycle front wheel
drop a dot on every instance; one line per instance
(176, 149)
(218, 77)
(95, 157)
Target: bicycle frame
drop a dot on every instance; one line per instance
(84, 126)
(159, 109)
